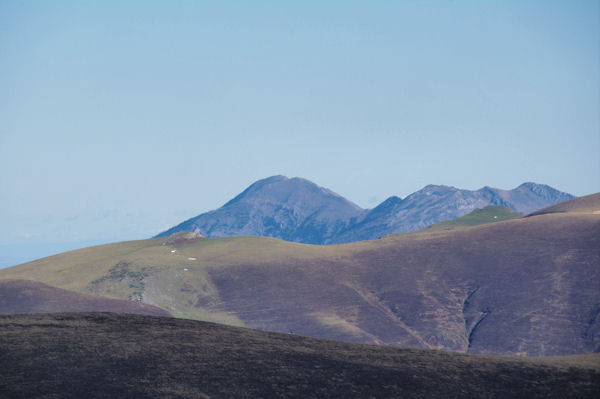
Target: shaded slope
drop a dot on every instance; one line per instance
(24, 296)
(110, 355)
(528, 286)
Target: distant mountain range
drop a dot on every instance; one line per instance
(296, 209)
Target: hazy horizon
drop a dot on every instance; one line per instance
(120, 119)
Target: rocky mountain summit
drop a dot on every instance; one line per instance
(295, 209)
(291, 209)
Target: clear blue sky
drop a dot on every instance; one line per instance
(121, 118)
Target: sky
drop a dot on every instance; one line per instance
(119, 119)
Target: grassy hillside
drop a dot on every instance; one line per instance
(489, 214)
(526, 286)
(158, 273)
(109, 355)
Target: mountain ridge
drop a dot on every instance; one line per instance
(525, 286)
(296, 209)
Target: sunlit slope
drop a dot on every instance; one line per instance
(526, 286)
(158, 273)
(489, 214)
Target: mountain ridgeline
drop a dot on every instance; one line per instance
(487, 283)
(295, 209)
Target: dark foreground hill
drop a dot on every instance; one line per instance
(527, 286)
(92, 355)
(24, 296)
(298, 210)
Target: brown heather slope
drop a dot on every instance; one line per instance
(528, 286)
(24, 296)
(107, 355)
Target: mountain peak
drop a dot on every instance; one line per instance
(529, 184)
(257, 186)
(530, 197)
(281, 189)
(293, 209)
(437, 187)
